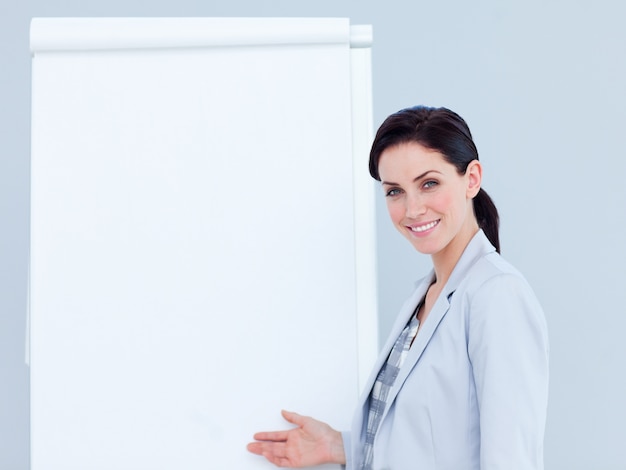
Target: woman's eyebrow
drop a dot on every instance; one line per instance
(417, 178)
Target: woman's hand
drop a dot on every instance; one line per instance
(310, 443)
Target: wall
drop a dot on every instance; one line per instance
(541, 85)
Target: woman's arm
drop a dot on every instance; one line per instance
(508, 348)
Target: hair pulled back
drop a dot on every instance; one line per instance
(446, 132)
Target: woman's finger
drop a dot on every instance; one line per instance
(293, 418)
(276, 436)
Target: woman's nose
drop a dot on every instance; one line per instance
(414, 207)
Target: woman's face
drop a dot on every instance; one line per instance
(429, 202)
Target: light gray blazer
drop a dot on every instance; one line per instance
(473, 390)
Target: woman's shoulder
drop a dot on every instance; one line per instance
(493, 271)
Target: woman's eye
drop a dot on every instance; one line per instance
(392, 192)
(430, 184)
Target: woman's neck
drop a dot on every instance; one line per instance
(445, 260)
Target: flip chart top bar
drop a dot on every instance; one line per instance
(79, 34)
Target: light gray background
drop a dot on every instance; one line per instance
(543, 87)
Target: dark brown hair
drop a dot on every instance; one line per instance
(446, 132)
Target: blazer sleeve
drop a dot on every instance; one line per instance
(508, 350)
(347, 449)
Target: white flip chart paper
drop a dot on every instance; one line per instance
(201, 236)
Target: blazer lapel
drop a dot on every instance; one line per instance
(478, 247)
(402, 319)
(438, 311)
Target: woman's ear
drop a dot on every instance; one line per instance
(474, 175)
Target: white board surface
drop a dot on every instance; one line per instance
(193, 242)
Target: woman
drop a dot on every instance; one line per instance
(462, 383)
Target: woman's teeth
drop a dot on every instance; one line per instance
(422, 228)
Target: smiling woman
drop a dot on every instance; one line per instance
(434, 208)
(462, 382)
(444, 132)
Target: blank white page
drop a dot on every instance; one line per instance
(192, 238)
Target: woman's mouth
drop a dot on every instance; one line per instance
(425, 227)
